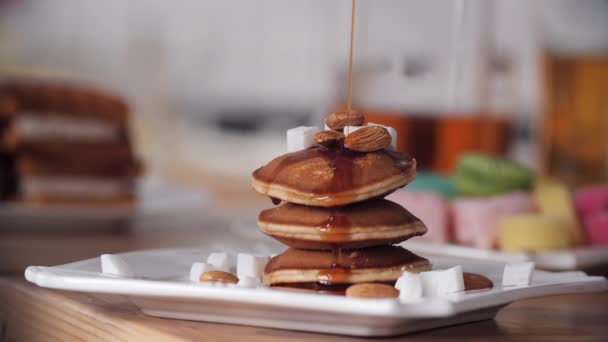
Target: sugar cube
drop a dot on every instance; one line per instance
(219, 261)
(248, 282)
(440, 282)
(250, 265)
(197, 269)
(301, 138)
(409, 285)
(115, 265)
(518, 274)
(349, 129)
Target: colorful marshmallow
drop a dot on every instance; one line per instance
(535, 233)
(430, 207)
(553, 198)
(592, 208)
(485, 175)
(596, 227)
(476, 220)
(432, 182)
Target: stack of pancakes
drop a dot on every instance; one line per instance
(338, 225)
(64, 144)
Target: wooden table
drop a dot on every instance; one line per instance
(34, 314)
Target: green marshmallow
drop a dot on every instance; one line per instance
(484, 175)
(432, 182)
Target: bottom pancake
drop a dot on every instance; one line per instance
(369, 265)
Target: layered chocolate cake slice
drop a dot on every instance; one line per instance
(66, 144)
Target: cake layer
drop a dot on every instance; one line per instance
(327, 177)
(65, 187)
(30, 126)
(26, 165)
(364, 224)
(53, 151)
(377, 264)
(40, 97)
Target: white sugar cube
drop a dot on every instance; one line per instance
(115, 265)
(518, 274)
(349, 129)
(440, 282)
(197, 269)
(300, 138)
(391, 131)
(248, 282)
(409, 285)
(248, 265)
(219, 261)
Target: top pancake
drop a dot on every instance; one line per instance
(326, 177)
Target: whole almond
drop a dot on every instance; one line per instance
(339, 120)
(329, 138)
(372, 290)
(368, 138)
(219, 277)
(474, 281)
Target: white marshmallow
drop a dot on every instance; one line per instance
(518, 274)
(391, 131)
(115, 265)
(349, 129)
(436, 283)
(409, 285)
(300, 138)
(248, 282)
(248, 265)
(325, 127)
(197, 269)
(219, 261)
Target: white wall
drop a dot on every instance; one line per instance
(271, 52)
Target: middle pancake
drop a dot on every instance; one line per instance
(364, 224)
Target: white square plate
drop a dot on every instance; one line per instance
(162, 289)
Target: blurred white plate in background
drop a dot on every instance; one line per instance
(559, 260)
(155, 198)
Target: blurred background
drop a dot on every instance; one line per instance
(213, 85)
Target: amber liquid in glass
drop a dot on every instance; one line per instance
(575, 119)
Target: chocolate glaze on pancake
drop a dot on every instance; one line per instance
(383, 256)
(330, 176)
(377, 264)
(364, 224)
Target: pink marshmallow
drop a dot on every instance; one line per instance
(596, 228)
(592, 208)
(430, 207)
(590, 200)
(476, 220)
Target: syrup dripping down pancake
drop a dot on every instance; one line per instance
(327, 177)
